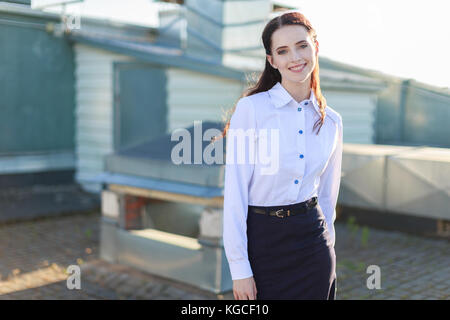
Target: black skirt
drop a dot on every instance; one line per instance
(292, 257)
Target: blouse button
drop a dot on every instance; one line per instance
(299, 109)
(301, 131)
(306, 102)
(301, 156)
(296, 181)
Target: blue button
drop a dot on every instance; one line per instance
(306, 102)
(296, 181)
(301, 131)
(301, 156)
(299, 109)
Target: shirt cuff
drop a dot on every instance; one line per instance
(240, 269)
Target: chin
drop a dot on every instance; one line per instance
(299, 79)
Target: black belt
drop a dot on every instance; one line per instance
(286, 211)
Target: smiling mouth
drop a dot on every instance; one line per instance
(298, 68)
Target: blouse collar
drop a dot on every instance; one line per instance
(281, 97)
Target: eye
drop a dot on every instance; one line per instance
(302, 46)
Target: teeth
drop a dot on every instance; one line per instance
(298, 68)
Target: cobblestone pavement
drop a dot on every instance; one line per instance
(34, 256)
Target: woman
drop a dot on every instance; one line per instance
(278, 227)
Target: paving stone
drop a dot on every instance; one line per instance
(411, 267)
(126, 290)
(175, 293)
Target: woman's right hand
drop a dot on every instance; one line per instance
(244, 289)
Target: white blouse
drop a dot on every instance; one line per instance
(302, 164)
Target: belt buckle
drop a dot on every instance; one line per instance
(281, 211)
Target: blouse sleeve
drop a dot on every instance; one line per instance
(236, 189)
(329, 183)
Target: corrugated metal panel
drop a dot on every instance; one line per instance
(37, 162)
(389, 115)
(104, 138)
(94, 111)
(93, 149)
(140, 111)
(37, 88)
(87, 121)
(195, 96)
(364, 176)
(84, 109)
(426, 116)
(397, 179)
(419, 183)
(358, 114)
(205, 267)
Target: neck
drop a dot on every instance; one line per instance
(298, 90)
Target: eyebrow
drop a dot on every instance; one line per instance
(286, 46)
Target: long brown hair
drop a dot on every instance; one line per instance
(270, 76)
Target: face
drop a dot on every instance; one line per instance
(292, 46)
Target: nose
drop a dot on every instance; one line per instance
(296, 57)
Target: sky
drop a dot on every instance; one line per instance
(404, 38)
